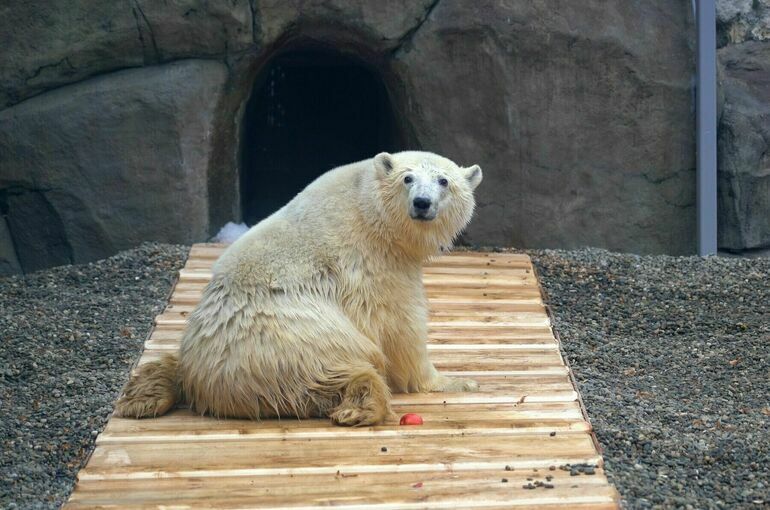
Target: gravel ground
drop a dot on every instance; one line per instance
(69, 336)
(672, 356)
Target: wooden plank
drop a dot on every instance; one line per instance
(179, 321)
(212, 251)
(440, 339)
(201, 270)
(319, 456)
(171, 343)
(522, 269)
(439, 420)
(437, 308)
(190, 296)
(439, 335)
(519, 320)
(486, 360)
(529, 314)
(506, 362)
(495, 334)
(492, 368)
(529, 292)
(468, 281)
(400, 490)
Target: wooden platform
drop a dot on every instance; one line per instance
(505, 446)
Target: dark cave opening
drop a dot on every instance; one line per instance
(310, 111)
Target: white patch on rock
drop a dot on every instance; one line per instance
(230, 232)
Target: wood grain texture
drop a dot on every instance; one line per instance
(475, 450)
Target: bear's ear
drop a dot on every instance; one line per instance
(383, 164)
(474, 175)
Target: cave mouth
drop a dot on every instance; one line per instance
(310, 110)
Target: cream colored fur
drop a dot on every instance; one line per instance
(319, 310)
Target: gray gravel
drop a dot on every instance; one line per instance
(672, 356)
(68, 337)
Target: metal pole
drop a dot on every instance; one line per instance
(706, 119)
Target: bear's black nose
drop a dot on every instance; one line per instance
(421, 203)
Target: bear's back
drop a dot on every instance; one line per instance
(298, 244)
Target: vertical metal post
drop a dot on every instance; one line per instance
(706, 120)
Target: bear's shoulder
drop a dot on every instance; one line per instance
(301, 242)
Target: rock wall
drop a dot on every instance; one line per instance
(744, 124)
(121, 121)
(579, 112)
(110, 162)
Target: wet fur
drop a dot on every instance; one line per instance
(319, 310)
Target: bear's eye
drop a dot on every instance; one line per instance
(408, 179)
(443, 182)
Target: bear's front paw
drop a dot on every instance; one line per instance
(454, 384)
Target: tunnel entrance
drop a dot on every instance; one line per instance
(309, 111)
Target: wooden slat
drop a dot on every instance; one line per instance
(481, 489)
(459, 419)
(465, 366)
(454, 360)
(517, 270)
(318, 456)
(212, 251)
(491, 324)
(487, 321)
(529, 293)
(522, 317)
(437, 309)
(450, 335)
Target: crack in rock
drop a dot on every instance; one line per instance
(404, 42)
(256, 34)
(70, 69)
(137, 11)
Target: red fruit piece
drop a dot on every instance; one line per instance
(411, 419)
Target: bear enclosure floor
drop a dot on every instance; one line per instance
(522, 441)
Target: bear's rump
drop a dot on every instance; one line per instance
(284, 355)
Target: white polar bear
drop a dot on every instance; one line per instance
(319, 310)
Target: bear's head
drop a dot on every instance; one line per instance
(425, 197)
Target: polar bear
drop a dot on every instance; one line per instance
(319, 310)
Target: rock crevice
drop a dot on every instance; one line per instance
(155, 56)
(405, 40)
